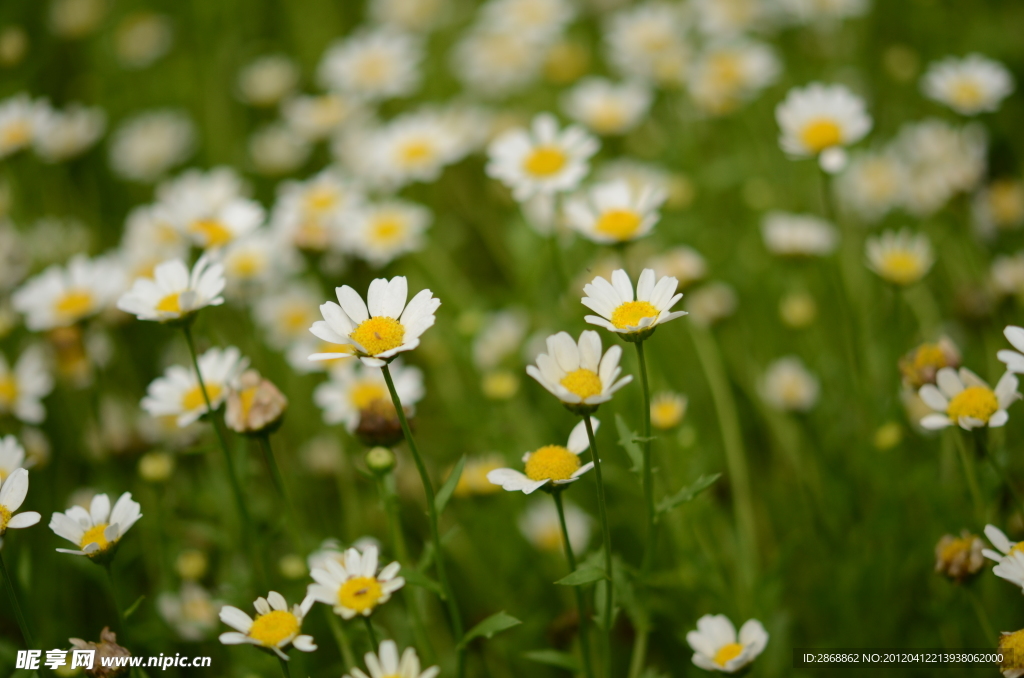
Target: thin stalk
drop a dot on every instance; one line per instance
(15, 605)
(275, 470)
(648, 479)
(435, 534)
(979, 610)
(972, 480)
(284, 667)
(636, 664)
(340, 637)
(113, 597)
(374, 644)
(588, 670)
(602, 511)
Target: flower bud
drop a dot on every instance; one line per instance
(256, 406)
(379, 425)
(380, 460)
(107, 647)
(959, 558)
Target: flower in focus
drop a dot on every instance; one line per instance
(788, 386)
(13, 489)
(1009, 558)
(268, 80)
(355, 390)
(540, 525)
(177, 394)
(959, 558)
(577, 373)
(473, 480)
(380, 328)
(22, 388)
(62, 296)
(381, 232)
(919, 366)
(254, 405)
(901, 258)
(716, 646)
(192, 612)
(174, 293)
(962, 398)
(818, 118)
(605, 107)
(618, 312)
(667, 409)
(147, 146)
(372, 65)
(798, 235)
(19, 117)
(614, 212)
(354, 587)
(274, 628)
(552, 464)
(1011, 646)
(388, 665)
(98, 531)
(970, 85)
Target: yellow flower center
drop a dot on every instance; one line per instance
(320, 200)
(727, 653)
(94, 535)
(367, 393)
(75, 304)
(416, 152)
(821, 133)
(193, 399)
(727, 70)
(386, 229)
(965, 93)
(17, 133)
(1017, 548)
(1006, 200)
(901, 267)
(274, 628)
(977, 402)
(544, 161)
(5, 517)
(170, 304)
(631, 313)
(607, 117)
(667, 412)
(618, 224)
(958, 547)
(213, 232)
(246, 264)
(246, 398)
(373, 69)
(8, 390)
(312, 235)
(379, 334)
(549, 538)
(360, 594)
(582, 382)
(295, 320)
(552, 462)
(929, 355)
(1012, 645)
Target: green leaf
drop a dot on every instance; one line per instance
(562, 660)
(627, 439)
(583, 575)
(445, 493)
(688, 493)
(134, 606)
(417, 578)
(494, 624)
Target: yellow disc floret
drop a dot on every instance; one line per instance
(1012, 647)
(820, 134)
(213, 232)
(274, 628)
(902, 267)
(8, 390)
(193, 399)
(619, 224)
(582, 382)
(5, 517)
(170, 303)
(379, 334)
(386, 229)
(552, 462)
(416, 152)
(366, 393)
(965, 93)
(977, 402)
(544, 161)
(361, 594)
(94, 535)
(726, 653)
(631, 313)
(75, 304)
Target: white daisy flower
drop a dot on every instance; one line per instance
(1014, 360)
(711, 303)
(576, 372)
(380, 328)
(495, 62)
(413, 147)
(267, 80)
(728, 74)
(354, 388)
(388, 665)
(542, 160)
(173, 292)
(192, 612)
(177, 393)
(614, 212)
(730, 18)
(552, 464)
(999, 206)
(274, 628)
(253, 263)
(1009, 558)
(354, 587)
(12, 456)
(381, 232)
(374, 64)
(607, 107)
(817, 118)
(1007, 275)
(62, 296)
(149, 239)
(789, 386)
(146, 146)
(683, 263)
(22, 388)
(872, 184)
(542, 18)
(798, 235)
(410, 15)
(96, 532)
(618, 312)
(964, 399)
(822, 12)
(19, 118)
(941, 160)
(298, 353)
(901, 258)
(309, 213)
(646, 42)
(12, 494)
(970, 85)
(142, 38)
(61, 135)
(717, 648)
(277, 149)
(286, 314)
(317, 117)
(539, 523)
(209, 207)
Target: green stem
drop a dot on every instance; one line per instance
(972, 481)
(113, 597)
(15, 605)
(275, 470)
(588, 670)
(636, 664)
(648, 479)
(435, 534)
(340, 637)
(979, 610)
(284, 667)
(602, 511)
(374, 643)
